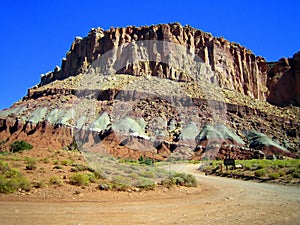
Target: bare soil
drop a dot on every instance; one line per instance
(216, 200)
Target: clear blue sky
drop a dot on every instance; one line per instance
(35, 35)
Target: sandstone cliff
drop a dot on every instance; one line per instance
(284, 81)
(234, 66)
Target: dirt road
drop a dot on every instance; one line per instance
(215, 201)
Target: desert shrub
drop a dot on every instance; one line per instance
(38, 184)
(260, 173)
(145, 161)
(4, 168)
(92, 177)
(261, 165)
(121, 179)
(79, 167)
(30, 167)
(30, 163)
(247, 167)
(18, 146)
(281, 173)
(145, 184)
(147, 174)
(55, 161)
(181, 179)
(12, 172)
(296, 174)
(100, 175)
(80, 179)
(67, 162)
(134, 176)
(55, 181)
(11, 180)
(274, 175)
(119, 186)
(18, 182)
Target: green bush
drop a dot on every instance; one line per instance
(274, 175)
(67, 162)
(260, 173)
(145, 184)
(92, 177)
(4, 168)
(281, 173)
(11, 180)
(145, 161)
(122, 180)
(181, 179)
(81, 179)
(147, 174)
(18, 146)
(55, 181)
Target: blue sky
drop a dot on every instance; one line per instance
(35, 35)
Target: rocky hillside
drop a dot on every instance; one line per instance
(164, 92)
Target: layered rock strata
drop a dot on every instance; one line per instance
(234, 66)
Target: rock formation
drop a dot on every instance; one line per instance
(235, 67)
(284, 81)
(164, 92)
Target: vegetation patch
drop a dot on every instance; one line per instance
(180, 179)
(18, 146)
(279, 171)
(12, 180)
(55, 181)
(82, 179)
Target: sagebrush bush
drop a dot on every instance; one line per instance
(67, 162)
(38, 184)
(260, 173)
(18, 146)
(145, 184)
(30, 163)
(55, 181)
(82, 179)
(79, 167)
(181, 179)
(274, 175)
(11, 180)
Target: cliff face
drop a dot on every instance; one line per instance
(234, 66)
(136, 105)
(284, 81)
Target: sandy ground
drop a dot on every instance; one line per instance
(216, 200)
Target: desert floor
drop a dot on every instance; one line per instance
(216, 200)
